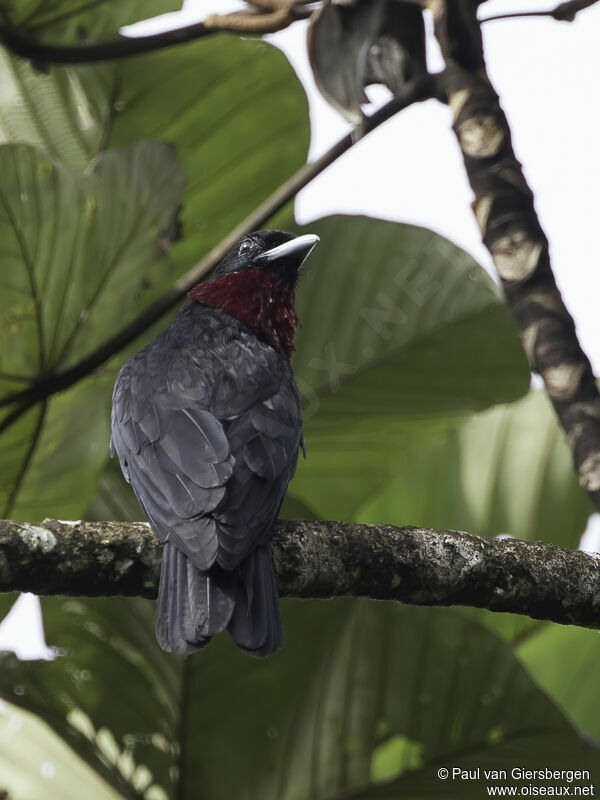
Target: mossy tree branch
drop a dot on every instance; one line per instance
(322, 560)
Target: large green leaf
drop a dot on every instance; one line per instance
(80, 254)
(238, 116)
(77, 250)
(234, 109)
(34, 762)
(71, 20)
(237, 108)
(105, 643)
(564, 662)
(364, 693)
(403, 335)
(93, 229)
(397, 321)
(504, 471)
(63, 112)
(55, 454)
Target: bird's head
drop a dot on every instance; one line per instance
(255, 283)
(276, 252)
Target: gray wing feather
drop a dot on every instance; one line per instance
(265, 463)
(177, 461)
(212, 487)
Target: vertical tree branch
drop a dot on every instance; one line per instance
(505, 213)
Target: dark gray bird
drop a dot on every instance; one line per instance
(207, 423)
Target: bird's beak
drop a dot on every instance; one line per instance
(299, 249)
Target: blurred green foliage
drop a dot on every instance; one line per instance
(79, 20)
(415, 392)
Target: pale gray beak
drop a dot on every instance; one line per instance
(300, 247)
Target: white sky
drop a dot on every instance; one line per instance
(548, 75)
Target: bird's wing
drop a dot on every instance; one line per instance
(176, 456)
(209, 481)
(264, 442)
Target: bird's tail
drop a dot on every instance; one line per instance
(194, 605)
(255, 624)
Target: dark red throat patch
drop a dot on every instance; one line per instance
(258, 298)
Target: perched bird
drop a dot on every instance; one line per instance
(207, 424)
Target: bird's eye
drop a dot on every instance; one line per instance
(245, 247)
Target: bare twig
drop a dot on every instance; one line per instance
(40, 53)
(564, 12)
(268, 16)
(275, 16)
(322, 559)
(416, 91)
(240, 22)
(504, 209)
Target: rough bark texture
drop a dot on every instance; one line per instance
(322, 559)
(505, 213)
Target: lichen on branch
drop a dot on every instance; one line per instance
(322, 560)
